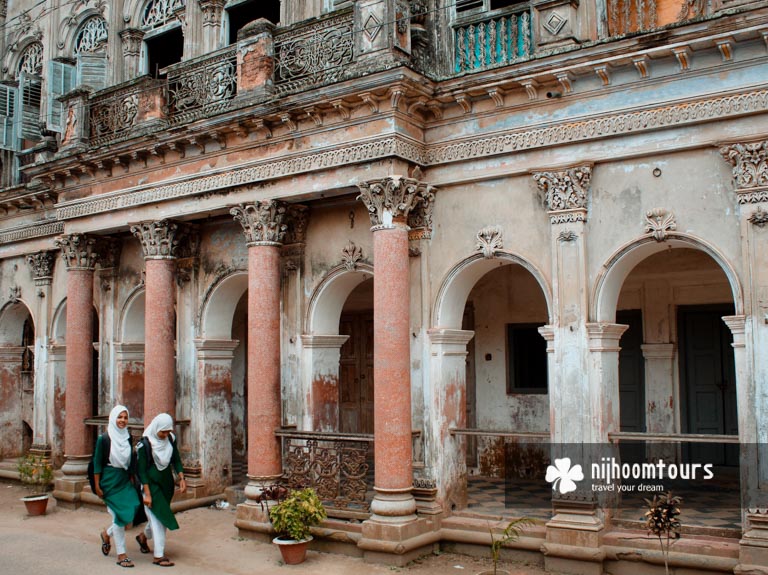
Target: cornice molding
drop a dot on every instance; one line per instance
(654, 118)
(36, 230)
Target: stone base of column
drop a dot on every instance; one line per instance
(574, 540)
(252, 518)
(40, 450)
(395, 506)
(398, 543)
(68, 487)
(753, 547)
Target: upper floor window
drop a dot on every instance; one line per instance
(160, 12)
(31, 60)
(92, 36)
(240, 13)
(463, 6)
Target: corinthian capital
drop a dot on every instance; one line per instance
(263, 222)
(80, 251)
(160, 240)
(42, 264)
(750, 169)
(565, 193)
(391, 199)
(212, 10)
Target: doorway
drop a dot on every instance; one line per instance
(356, 373)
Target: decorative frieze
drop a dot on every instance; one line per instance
(750, 170)
(42, 264)
(565, 193)
(263, 222)
(161, 239)
(658, 222)
(80, 251)
(351, 255)
(391, 199)
(489, 241)
(31, 231)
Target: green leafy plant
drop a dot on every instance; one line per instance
(511, 533)
(297, 513)
(661, 519)
(35, 472)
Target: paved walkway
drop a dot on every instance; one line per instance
(66, 542)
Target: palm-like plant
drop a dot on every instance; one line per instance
(661, 519)
(511, 533)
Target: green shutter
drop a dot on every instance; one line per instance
(92, 70)
(28, 107)
(8, 139)
(61, 80)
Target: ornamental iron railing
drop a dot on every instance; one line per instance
(496, 41)
(115, 111)
(314, 54)
(202, 87)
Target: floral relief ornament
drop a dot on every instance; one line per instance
(566, 189)
(489, 241)
(351, 255)
(658, 222)
(759, 217)
(750, 163)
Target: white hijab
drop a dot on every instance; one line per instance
(120, 440)
(162, 450)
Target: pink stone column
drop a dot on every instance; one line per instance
(264, 409)
(159, 339)
(389, 201)
(79, 371)
(264, 230)
(392, 375)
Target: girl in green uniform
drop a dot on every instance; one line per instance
(113, 482)
(156, 474)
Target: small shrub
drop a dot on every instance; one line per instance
(35, 472)
(511, 533)
(296, 514)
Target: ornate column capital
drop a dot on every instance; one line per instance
(390, 200)
(750, 170)
(212, 11)
(565, 193)
(131, 38)
(42, 264)
(163, 239)
(80, 251)
(296, 220)
(263, 222)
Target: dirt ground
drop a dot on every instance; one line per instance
(66, 542)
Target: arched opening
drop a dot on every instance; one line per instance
(677, 373)
(17, 400)
(356, 361)
(239, 415)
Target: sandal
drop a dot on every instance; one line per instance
(105, 544)
(141, 539)
(163, 562)
(125, 562)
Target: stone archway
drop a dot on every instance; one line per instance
(449, 338)
(221, 416)
(322, 345)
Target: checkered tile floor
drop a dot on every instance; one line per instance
(717, 507)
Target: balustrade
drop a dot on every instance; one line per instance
(497, 41)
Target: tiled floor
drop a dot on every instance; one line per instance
(716, 507)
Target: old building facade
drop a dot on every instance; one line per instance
(373, 245)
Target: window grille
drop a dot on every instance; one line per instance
(159, 13)
(92, 36)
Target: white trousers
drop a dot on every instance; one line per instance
(117, 532)
(155, 530)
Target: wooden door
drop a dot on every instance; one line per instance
(356, 373)
(708, 380)
(632, 383)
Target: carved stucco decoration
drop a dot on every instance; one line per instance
(565, 193)
(212, 11)
(750, 170)
(42, 264)
(489, 241)
(658, 222)
(263, 222)
(79, 251)
(160, 239)
(296, 220)
(420, 216)
(567, 236)
(351, 255)
(759, 217)
(392, 199)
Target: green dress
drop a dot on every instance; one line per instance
(119, 494)
(161, 483)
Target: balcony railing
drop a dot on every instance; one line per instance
(313, 55)
(496, 41)
(202, 87)
(115, 111)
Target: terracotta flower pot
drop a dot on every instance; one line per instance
(293, 552)
(36, 504)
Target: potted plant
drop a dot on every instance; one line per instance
(510, 534)
(36, 473)
(661, 519)
(292, 518)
